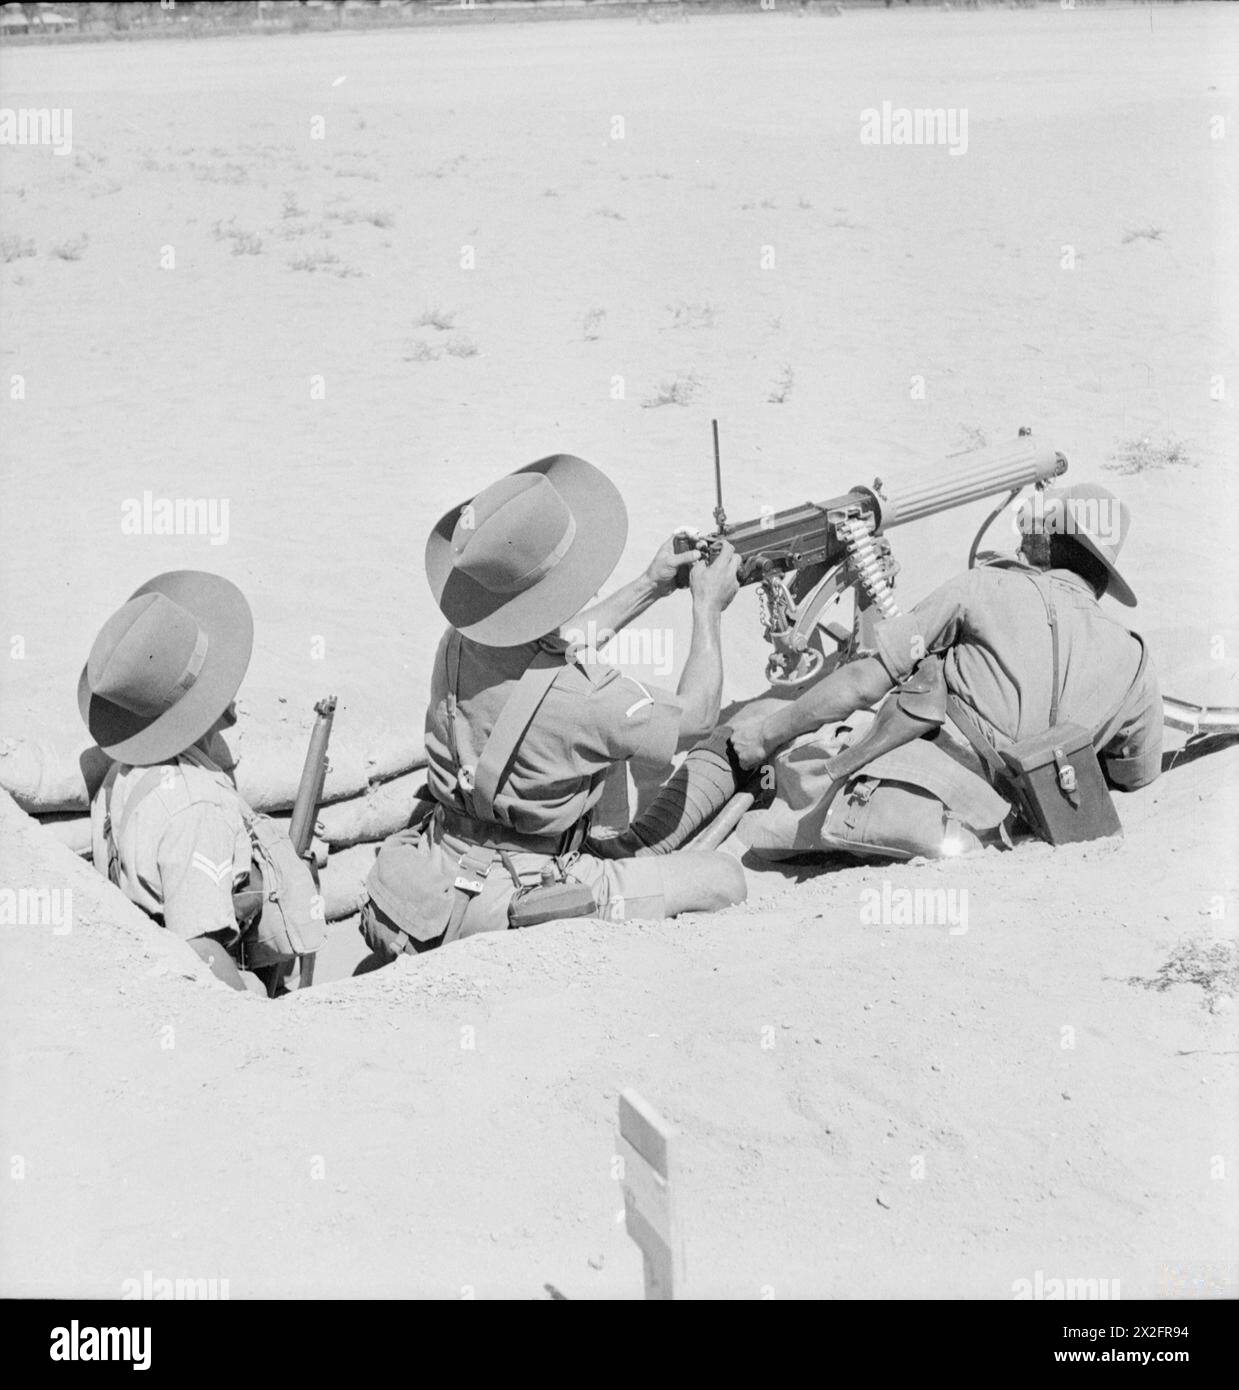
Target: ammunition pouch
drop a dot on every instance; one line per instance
(913, 801)
(1054, 779)
(421, 894)
(550, 901)
(290, 918)
(1057, 784)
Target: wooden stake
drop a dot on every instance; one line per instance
(645, 1146)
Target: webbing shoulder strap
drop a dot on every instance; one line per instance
(1047, 598)
(146, 785)
(495, 761)
(962, 717)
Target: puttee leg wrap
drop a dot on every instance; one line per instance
(695, 793)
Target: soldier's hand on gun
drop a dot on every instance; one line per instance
(748, 740)
(714, 585)
(664, 569)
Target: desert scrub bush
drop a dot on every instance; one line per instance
(1143, 455)
(351, 215)
(1212, 965)
(782, 387)
(611, 213)
(13, 248)
(71, 250)
(291, 207)
(228, 173)
(1144, 234)
(692, 316)
(680, 390)
(462, 347)
(243, 243)
(421, 352)
(314, 260)
(440, 319)
(970, 437)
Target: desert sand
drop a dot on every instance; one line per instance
(341, 337)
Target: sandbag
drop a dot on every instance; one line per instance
(384, 809)
(44, 777)
(379, 812)
(72, 831)
(41, 776)
(342, 881)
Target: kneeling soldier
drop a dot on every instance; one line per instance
(522, 728)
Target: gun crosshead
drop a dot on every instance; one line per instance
(808, 556)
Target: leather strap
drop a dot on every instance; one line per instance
(513, 723)
(964, 718)
(1047, 598)
(471, 873)
(146, 785)
(498, 837)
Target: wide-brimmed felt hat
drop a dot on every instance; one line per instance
(165, 666)
(1093, 516)
(527, 553)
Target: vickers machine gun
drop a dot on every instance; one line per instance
(810, 556)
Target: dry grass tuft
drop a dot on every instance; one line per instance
(71, 250)
(680, 390)
(1211, 965)
(1144, 456)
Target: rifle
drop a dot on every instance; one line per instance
(305, 807)
(313, 775)
(807, 556)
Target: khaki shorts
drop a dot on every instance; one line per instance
(622, 889)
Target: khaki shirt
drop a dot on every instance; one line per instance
(184, 846)
(990, 626)
(592, 718)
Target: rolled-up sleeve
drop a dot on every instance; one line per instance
(638, 721)
(197, 866)
(1133, 757)
(929, 628)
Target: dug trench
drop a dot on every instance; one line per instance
(933, 1109)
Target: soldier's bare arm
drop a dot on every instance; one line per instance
(855, 686)
(617, 610)
(713, 586)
